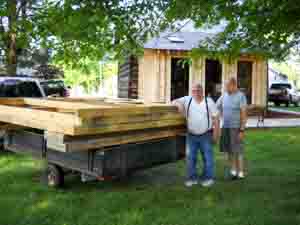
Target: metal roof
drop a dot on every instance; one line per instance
(177, 41)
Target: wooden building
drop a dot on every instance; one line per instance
(159, 76)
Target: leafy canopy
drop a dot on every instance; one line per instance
(267, 27)
(79, 29)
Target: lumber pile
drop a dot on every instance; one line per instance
(72, 124)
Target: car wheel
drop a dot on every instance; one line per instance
(55, 176)
(2, 147)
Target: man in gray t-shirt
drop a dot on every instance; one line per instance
(233, 108)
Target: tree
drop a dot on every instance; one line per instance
(90, 75)
(46, 71)
(76, 30)
(16, 30)
(267, 27)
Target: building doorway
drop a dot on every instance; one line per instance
(213, 79)
(179, 78)
(244, 78)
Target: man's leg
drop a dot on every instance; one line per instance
(207, 156)
(240, 165)
(192, 158)
(232, 163)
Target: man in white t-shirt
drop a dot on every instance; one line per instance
(202, 122)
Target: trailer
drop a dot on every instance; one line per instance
(113, 162)
(104, 146)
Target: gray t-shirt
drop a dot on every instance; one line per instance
(197, 120)
(230, 105)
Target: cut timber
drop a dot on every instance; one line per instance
(44, 120)
(127, 127)
(87, 117)
(65, 143)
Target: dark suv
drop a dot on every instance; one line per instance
(283, 93)
(18, 86)
(55, 88)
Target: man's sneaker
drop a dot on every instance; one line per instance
(233, 173)
(207, 183)
(190, 183)
(241, 175)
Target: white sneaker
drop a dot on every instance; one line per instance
(207, 183)
(241, 175)
(233, 173)
(190, 183)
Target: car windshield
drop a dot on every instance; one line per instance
(281, 86)
(53, 87)
(19, 88)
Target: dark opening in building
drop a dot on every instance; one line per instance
(213, 79)
(179, 78)
(244, 78)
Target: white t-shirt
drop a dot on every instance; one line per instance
(197, 117)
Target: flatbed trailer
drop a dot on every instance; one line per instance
(100, 163)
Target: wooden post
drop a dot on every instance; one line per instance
(168, 77)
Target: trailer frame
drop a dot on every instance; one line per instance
(113, 162)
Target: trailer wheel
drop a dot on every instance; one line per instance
(55, 176)
(2, 149)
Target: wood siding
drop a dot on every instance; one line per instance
(128, 78)
(154, 76)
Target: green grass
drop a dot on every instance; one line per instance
(269, 196)
(283, 107)
(290, 108)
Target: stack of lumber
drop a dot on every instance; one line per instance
(72, 124)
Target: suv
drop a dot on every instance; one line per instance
(31, 87)
(284, 93)
(55, 88)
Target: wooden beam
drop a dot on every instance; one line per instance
(130, 110)
(87, 129)
(12, 101)
(65, 143)
(58, 104)
(61, 117)
(39, 119)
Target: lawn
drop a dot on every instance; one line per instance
(269, 196)
(290, 108)
(283, 107)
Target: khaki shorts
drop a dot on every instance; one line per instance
(230, 141)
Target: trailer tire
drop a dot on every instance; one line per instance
(55, 176)
(2, 148)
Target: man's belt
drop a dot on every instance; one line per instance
(198, 135)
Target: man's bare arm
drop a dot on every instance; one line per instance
(243, 118)
(216, 128)
(179, 106)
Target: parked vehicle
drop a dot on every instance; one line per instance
(283, 93)
(20, 87)
(23, 86)
(55, 88)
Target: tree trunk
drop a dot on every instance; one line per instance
(11, 53)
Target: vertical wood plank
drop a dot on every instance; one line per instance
(149, 76)
(168, 77)
(254, 79)
(141, 78)
(259, 82)
(162, 83)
